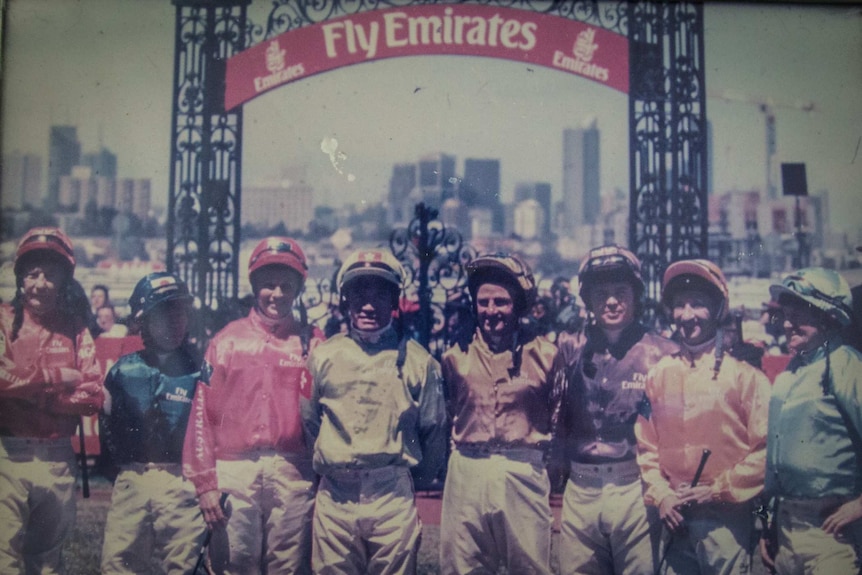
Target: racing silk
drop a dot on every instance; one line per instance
(247, 399)
(363, 415)
(601, 390)
(810, 451)
(151, 398)
(689, 411)
(493, 407)
(30, 363)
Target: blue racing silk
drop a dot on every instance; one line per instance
(810, 450)
(150, 402)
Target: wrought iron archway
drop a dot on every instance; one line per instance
(667, 133)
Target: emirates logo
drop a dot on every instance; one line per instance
(274, 57)
(585, 45)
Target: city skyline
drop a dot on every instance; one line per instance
(117, 90)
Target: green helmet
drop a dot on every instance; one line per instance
(827, 290)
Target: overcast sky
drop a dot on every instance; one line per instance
(106, 66)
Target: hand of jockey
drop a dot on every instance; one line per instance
(766, 555)
(668, 511)
(211, 509)
(843, 516)
(694, 495)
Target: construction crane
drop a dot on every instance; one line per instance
(767, 107)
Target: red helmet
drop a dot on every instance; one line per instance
(279, 251)
(48, 239)
(680, 274)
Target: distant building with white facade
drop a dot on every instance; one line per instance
(529, 220)
(288, 202)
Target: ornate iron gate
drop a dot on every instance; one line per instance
(667, 118)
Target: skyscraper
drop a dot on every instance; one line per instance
(480, 188)
(64, 151)
(21, 180)
(103, 163)
(401, 183)
(437, 180)
(581, 182)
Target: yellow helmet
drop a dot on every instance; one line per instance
(506, 267)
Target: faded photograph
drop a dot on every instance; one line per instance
(430, 287)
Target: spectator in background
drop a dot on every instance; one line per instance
(703, 398)
(99, 297)
(496, 510)
(154, 516)
(245, 435)
(48, 379)
(814, 451)
(542, 315)
(106, 318)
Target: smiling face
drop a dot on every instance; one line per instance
(495, 310)
(370, 303)
(803, 325)
(275, 288)
(692, 314)
(40, 285)
(613, 304)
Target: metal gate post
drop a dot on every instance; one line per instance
(204, 194)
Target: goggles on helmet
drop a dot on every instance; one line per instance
(802, 285)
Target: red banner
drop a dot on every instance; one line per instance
(108, 351)
(465, 30)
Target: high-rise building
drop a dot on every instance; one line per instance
(540, 192)
(103, 163)
(581, 182)
(125, 193)
(141, 198)
(480, 188)
(64, 152)
(106, 192)
(76, 189)
(402, 182)
(437, 181)
(21, 180)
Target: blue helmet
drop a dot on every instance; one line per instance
(154, 289)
